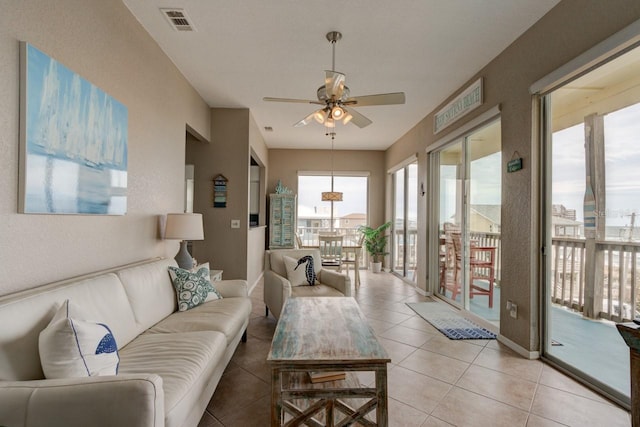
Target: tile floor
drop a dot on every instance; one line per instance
(432, 380)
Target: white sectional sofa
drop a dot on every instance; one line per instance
(170, 361)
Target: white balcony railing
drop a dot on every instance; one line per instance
(617, 268)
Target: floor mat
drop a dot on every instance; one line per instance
(449, 322)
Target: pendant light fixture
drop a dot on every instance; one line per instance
(331, 196)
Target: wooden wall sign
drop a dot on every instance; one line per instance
(220, 191)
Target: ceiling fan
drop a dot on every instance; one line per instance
(334, 96)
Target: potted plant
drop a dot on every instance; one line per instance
(375, 242)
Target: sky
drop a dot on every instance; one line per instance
(622, 166)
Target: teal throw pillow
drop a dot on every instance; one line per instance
(192, 288)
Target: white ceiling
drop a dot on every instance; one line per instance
(244, 50)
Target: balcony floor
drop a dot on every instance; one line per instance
(592, 346)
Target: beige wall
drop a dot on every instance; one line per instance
(285, 164)
(565, 32)
(102, 42)
(234, 138)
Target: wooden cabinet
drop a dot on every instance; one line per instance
(282, 221)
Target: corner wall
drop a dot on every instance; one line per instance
(104, 43)
(569, 29)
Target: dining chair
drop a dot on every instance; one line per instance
(331, 251)
(354, 260)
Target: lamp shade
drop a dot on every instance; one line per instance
(184, 226)
(331, 196)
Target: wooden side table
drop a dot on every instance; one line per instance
(631, 334)
(216, 275)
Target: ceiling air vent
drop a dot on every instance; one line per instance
(268, 129)
(178, 19)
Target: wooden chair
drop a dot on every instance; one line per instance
(331, 251)
(355, 260)
(481, 268)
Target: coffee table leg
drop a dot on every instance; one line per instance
(276, 397)
(382, 415)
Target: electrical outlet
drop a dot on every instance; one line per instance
(513, 312)
(235, 223)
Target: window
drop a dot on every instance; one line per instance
(316, 216)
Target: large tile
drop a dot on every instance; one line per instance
(237, 388)
(556, 379)
(466, 409)
(412, 337)
(536, 421)
(458, 349)
(257, 414)
(397, 351)
(509, 362)
(496, 385)
(573, 410)
(209, 420)
(401, 415)
(416, 390)
(435, 422)
(386, 315)
(435, 365)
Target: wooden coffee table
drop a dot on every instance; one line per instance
(325, 334)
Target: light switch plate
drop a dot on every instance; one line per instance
(235, 223)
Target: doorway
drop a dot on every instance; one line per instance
(468, 183)
(405, 222)
(592, 200)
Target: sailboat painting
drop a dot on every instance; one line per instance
(73, 146)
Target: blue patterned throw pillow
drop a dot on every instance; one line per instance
(192, 288)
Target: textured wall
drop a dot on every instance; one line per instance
(565, 32)
(101, 41)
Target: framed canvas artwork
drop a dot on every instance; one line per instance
(73, 141)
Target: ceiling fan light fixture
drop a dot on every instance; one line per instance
(347, 118)
(319, 116)
(337, 113)
(330, 123)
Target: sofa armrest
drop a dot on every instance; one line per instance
(276, 291)
(119, 400)
(336, 280)
(232, 288)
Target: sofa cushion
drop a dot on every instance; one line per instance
(226, 315)
(30, 311)
(192, 288)
(185, 361)
(70, 346)
(150, 292)
(319, 290)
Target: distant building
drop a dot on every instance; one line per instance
(352, 220)
(564, 222)
(485, 218)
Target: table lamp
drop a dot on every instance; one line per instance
(184, 227)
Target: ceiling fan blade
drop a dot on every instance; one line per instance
(379, 99)
(299, 101)
(306, 120)
(358, 119)
(334, 83)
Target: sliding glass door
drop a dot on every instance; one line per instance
(405, 221)
(467, 173)
(592, 200)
